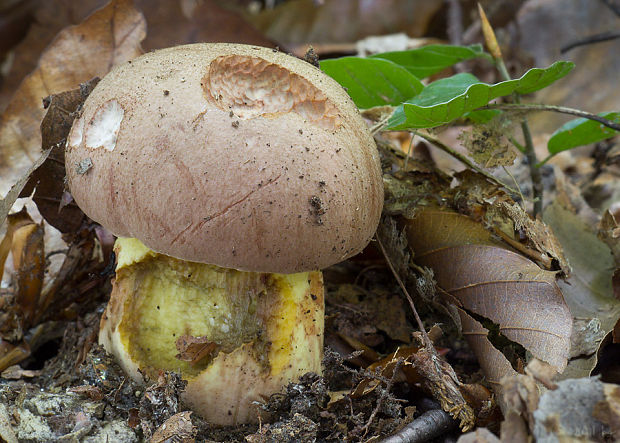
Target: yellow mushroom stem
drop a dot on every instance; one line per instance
(236, 337)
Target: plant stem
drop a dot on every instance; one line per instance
(554, 108)
(530, 153)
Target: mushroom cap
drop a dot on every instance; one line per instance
(232, 155)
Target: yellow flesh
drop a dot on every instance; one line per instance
(164, 298)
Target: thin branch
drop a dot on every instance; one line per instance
(384, 394)
(427, 427)
(596, 38)
(554, 108)
(514, 180)
(427, 340)
(467, 162)
(611, 5)
(535, 174)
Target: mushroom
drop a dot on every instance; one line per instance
(231, 174)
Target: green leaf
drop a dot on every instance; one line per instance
(450, 98)
(582, 131)
(482, 115)
(431, 59)
(373, 82)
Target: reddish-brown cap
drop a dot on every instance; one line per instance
(234, 155)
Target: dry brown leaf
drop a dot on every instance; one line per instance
(493, 363)
(48, 18)
(588, 291)
(488, 146)
(28, 253)
(520, 396)
(491, 281)
(16, 372)
(24, 240)
(540, 237)
(178, 428)
(108, 37)
(48, 181)
(609, 232)
(194, 349)
(542, 373)
(7, 202)
(609, 411)
(15, 221)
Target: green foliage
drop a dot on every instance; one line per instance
(373, 81)
(582, 131)
(431, 59)
(392, 78)
(450, 98)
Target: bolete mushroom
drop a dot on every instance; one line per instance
(232, 174)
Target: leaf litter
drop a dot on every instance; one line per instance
(374, 390)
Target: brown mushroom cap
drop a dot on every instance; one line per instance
(227, 154)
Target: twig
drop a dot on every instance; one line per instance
(460, 157)
(388, 388)
(596, 38)
(611, 5)
(427, 341)
(530, 154)
(426, 427)
(409, 149)
(553, 108)
(516, 184)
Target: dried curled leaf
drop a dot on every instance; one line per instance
(588, 291)
(24, 240)
(178, 428)
(47, 181)
(194, 349)
(487, 279)
(487, 145)
(108, 37)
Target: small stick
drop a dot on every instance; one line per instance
(554, 108)
(427, 341)
(426, 427)
(388, 388)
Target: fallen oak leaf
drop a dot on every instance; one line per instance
(47, 181)
(589, 290)
(178, 428)
(194, 349)
(494, 282)
(113, 33)
(28, 252)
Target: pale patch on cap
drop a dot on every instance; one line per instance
(103, 128)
